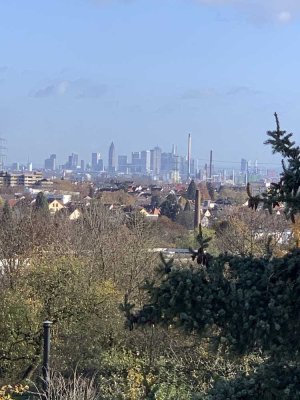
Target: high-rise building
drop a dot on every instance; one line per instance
(72, 162)
(155, 160)
(136, 162)
(112, 158)
(100, 165)
(123, 164)
(145, 161)
(243, 165)
(75, 161)
(50, 163)
(166, 163)
(29, 166)
(95, 161)
(189, 156)
(2, 153)
(15, 166)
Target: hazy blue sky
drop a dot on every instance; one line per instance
(77, 74)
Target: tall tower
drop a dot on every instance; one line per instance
(155, 160)
(189, 155)
(112, 159)
(145, 161)
(210, 164)
(2, 154)
(95, 161)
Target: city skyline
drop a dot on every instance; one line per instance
(70, 159)
(75, 75)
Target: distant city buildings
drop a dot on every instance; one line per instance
(72, 162)
(123, 167)
(112, 159)
(50, 163)
(145, 162)
(97, 162)
(154, 163)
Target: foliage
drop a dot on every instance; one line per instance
(240, 305)
(41, 203)
(129, 376)
(269, 381)
(246, 303)
(169, 207)
(242, 231)
(287, 189)
(62, 291)
(237, 196)
(191, 191)
(7, 391)
(186, 218)
(117, 197)
(6, 217)
(155, 200)
(169, 233)
(211, 190)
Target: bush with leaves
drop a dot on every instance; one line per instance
(269, 381)
(247, 304)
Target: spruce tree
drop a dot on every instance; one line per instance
(41, 203)
(187, 206)
(287, 190)
(211, 190)
(170, 207)
(191, 191)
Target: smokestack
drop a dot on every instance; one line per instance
(210, 165)
(189, 154)
(197, 215)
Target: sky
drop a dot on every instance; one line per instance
(78, 74)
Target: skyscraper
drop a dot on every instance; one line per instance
(243, 165)
(155, 160)
(135, 162)
(123, 164)
(189, 155)
(50, 163)
(112, 159)
(95, 161)
(145, 161)
(72, 161)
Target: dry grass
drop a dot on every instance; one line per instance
(77, 387)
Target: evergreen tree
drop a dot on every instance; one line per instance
(41, 203)
(187, 206)
(287, 190)
(211, 190)
(191, 191)
(155, 200)
(169, 207)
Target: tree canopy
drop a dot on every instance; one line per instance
(287, 190)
